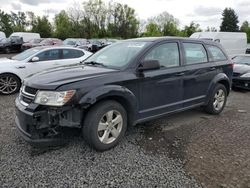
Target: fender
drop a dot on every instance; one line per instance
(218, 78)
(111, 91)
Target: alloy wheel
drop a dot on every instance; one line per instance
(219, 100)
(8, 85)
(110, 127)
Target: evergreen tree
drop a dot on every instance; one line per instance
(229, 21)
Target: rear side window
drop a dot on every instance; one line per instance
(217, 54)
(71, 54)
(167, 54)
(195, 53)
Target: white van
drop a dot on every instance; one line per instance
(2, 35)
(233, 42)
(26, 35)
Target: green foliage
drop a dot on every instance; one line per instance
(152, 30)
(42, 25)
(5, 23)
(63, 25)
(19, 22)
(245, 27)
(229, 21)
(189, 30)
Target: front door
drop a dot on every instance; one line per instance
(161, 90)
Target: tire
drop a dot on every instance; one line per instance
(9, 84)
(217, 100)
(98, 118)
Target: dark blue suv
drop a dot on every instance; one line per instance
(129, 82)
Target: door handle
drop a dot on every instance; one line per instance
(179, 74)
(212, 68)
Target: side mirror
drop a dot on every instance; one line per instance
(35, 59)
(149, 65)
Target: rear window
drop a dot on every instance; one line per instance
(70, 54)
(216, 53)
(195, 53)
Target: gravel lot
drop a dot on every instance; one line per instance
(190, 149)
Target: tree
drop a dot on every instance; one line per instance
(19, 21)
(43, 26)
(152, 30)
(122, 21)
(245, 27)
(211, 29)
(63, 25)
(189, 30)
(5, 23)
(170, 29)
(229, 21)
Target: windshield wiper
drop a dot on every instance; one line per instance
(94, 63)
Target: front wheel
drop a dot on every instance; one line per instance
(105, 125)
(217, 100)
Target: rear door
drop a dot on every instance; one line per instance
(200, 70)
(161, 90)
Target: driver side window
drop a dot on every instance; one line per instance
(167, 54)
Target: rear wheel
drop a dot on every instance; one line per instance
(105, 125)
(9, 84)
(218, 100)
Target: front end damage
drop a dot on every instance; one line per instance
(43, 125)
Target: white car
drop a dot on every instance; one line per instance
(15, 69)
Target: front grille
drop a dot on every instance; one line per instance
(27, 95)
(235, 74)
(30, 90)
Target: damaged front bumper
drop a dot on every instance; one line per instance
(42, 126)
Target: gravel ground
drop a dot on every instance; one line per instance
(76, 165)
(190, 149)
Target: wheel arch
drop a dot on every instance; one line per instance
(221, 78)
(119, 94)
(11, 73)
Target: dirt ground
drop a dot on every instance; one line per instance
(215, 150)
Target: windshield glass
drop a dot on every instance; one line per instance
(119, 54)
(242, 60)
(24, 55)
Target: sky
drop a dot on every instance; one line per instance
(204, 12)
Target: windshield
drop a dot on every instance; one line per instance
(24, 55)
(242, 60)
(119, 54)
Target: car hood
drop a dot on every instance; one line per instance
(56, 77)
(241, 69)
(5, 62)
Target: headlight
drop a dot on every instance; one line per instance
(53, 98)
(247, 75)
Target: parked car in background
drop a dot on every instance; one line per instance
(126, 83)
(15, 69)
(31, 43)
(233, 42)
(11, 44)
(26, 36)
(2, 35)
(248, 49)
(241, 74)
(75, 42)
(50, 42)
(95, 45)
